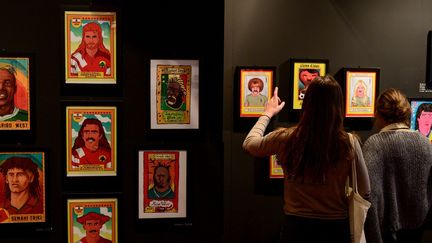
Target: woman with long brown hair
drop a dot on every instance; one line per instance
(316, 158)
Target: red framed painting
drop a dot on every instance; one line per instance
(162, 185)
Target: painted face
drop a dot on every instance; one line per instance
(92, 227)
(306, 77)
(91, 39)
(18, 179)
(91, 136)
(425, 122)
(162, 175)
(255, 89)
(360, 92)
(7, 88)
(173, 93)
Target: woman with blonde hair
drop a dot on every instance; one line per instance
(316, 157)
(360, 97)
(399, 162)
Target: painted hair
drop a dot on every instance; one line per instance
(423, 107)
(79, 141)
(92, 26)
(256, 81)
(26, 164)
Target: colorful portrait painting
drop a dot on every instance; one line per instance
(22, 187)
(15, 93)
(174, 89)
(303, 74)
(91, 140)
(162, 177)
(256, 89)
(360, 90)
(92, 220)
(174, 94)
(421, 117)
(276, 170)
(90, 47)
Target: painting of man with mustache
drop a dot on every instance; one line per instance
(92, 220)
(91, 141)
(91, 146)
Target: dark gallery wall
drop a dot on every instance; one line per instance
(156, 30)
(387, 34)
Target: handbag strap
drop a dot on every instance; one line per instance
(353, 165)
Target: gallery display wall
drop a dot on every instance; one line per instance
(388, 35)
(190, 148)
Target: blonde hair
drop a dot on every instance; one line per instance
(360, 82)
(393, 106)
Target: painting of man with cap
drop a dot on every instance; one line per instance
(92, 223)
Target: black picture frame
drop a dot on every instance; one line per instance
(429, 60)
(19, 126)
(359, 112)
(244, 115)
(91, 88)
(32, 222)
(421, 105)
(92, 182)
(291, 88)
(263, 183)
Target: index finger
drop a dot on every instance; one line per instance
(275, 93)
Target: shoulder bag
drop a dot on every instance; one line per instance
(357, 205)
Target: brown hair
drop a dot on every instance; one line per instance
(26, 164)
(79, 141)
(393, 106)
(319, 141)
(423, 107)
(256, 81)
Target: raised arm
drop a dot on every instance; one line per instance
(255, 142)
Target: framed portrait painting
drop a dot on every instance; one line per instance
(162, 183)
(16, 80)
(90, 47)
(256, 87)
(91, 141)
(421, 116)
(303, 71)
(361, 86)
(174, 94)
(276, 170)
(88, 218)
(22, 185)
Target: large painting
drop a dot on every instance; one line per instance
(90, 47)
